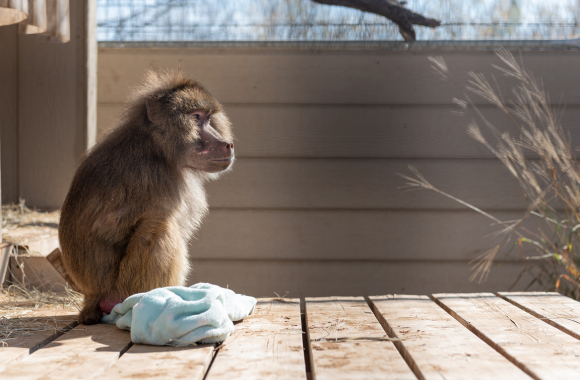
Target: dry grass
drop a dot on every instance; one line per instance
(543, 162)
(18, 215)
(27, 312)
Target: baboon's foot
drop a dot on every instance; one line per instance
(90, 314)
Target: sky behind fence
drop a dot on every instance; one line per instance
(303, 20)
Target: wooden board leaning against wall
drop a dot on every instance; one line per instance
(314, 204)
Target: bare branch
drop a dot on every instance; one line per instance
(391, 9)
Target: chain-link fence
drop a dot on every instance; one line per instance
(303, 20)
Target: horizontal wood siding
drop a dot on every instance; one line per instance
(326, 77)
(370, 131)
(405, 235)
(347, 278)
(314, 204)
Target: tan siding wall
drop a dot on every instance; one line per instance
(45, 120)
(314, 204)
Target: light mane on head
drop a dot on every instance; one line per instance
(156, 82)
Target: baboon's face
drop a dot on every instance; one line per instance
(211, 152)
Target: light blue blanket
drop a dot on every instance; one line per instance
(179, 316)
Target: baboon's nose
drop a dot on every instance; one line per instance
(229, 148)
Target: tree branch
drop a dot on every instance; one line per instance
(391, 9)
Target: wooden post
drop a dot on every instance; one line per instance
(56, 107)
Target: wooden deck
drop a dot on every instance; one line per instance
(445, 336)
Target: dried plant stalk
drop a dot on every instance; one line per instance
(550, 181)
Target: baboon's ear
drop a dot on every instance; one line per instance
(153, 110)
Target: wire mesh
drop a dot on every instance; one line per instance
(292, 20)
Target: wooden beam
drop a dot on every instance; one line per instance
(5, 250)
(36, 272)
(55, 258)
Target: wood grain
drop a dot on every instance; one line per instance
(85, 352)
(324, 278)
(365, 357)
(363, 184)
(56, 260)
(388, 131)
(34, 239)
(319, 76)
(542, 351)
(36, 272)
(158, 362)
(5, 250)
(348, 234)
(266, 345)
(553, 308)
(52, 118)
(436, 344)
(22, 345)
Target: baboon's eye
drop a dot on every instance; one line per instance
(196, 116)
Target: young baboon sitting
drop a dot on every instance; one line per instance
(138, 196)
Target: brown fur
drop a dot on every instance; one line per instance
(138, 195)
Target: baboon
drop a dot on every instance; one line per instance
(137, 197)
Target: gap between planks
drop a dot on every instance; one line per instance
(540, 350)
(141, 360)
(144, 361)
(560, 312)
(84, 352)
(23, 346)
(266, 345)
(434, 344)
(346, 341)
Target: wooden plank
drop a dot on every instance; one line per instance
(9, 111)
(85, 352)
(336, 234)
(5, 249)
(266, 345)
(553, 308)
(55, 259)
(322, 76)
(22, 345)
(366, 356)
(41, 240)
(52, 112)
(310, 130)
(539, 349)
(363, 184)
(156, 362)
(36, 272)
(435, 344)
(323, 278)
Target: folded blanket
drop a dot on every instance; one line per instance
(179, 316)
